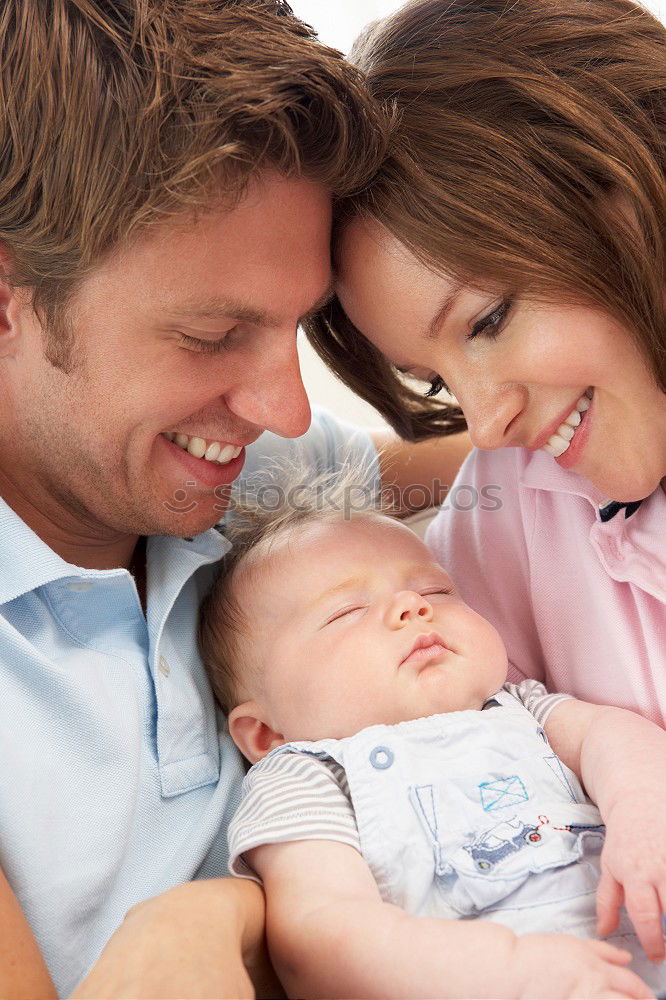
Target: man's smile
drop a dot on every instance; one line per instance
(212, 450)
(208, 472)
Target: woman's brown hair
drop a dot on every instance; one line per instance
(528, 155)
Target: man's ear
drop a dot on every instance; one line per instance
(8, 329)
(251, 734)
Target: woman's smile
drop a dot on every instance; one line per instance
(557, 438)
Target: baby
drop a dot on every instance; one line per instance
(400, 787)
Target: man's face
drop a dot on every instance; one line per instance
(335, 611)
(191, 331)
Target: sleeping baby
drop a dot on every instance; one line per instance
(421, 827)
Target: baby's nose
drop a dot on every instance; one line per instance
(408, 606)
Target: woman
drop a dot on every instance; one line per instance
(513, 251)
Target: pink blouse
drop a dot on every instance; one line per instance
(580, 604)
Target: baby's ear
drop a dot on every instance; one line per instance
(253, 737)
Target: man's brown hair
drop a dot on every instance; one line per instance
(529, 157)
(116, 114)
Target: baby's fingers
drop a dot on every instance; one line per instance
(627, 984)
(610, 952)
(644, 909)
(617, 981)
(610, 896)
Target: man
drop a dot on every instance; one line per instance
(166, 176)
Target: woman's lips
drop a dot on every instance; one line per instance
(548, 432)
(571, 457)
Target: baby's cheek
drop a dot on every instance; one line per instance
(487, 641)
(497, 654)
(316, 699)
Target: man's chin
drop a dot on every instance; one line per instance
(193, 521)
(181, 516)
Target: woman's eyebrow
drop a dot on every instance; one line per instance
(432, 331)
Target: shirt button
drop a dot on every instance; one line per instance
(80, 585)
(381, 758)
(164, 667)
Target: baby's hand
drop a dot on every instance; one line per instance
(633, 869)
(560, 967)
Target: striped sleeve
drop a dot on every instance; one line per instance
(291, 796)
(533, 695)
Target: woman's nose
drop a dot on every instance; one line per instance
(491, 415)
(407, 606)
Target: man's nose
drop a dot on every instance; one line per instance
(492, 414)
(407, 606)
(270, 392)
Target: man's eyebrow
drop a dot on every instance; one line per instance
(443, 312)
(219, 309)
(321, 302)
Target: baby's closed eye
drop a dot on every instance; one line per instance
(343, 613)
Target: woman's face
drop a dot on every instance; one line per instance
(520, 370)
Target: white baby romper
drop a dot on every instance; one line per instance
(471, 814)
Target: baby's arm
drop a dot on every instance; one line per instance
(621, 760)
(331, 935)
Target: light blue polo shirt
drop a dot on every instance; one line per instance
(118, 779)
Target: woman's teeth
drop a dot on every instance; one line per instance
(212, 451)
(559, 442)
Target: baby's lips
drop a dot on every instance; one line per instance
(424, 641)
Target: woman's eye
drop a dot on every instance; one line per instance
(437, 383)
(491, 325)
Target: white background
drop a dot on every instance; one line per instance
(338, 22)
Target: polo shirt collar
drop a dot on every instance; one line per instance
(543, 473)
(170, 562)
(28, 562)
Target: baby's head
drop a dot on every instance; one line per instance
(321, 625)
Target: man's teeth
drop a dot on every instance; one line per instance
(559, 442)
(212, 451)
